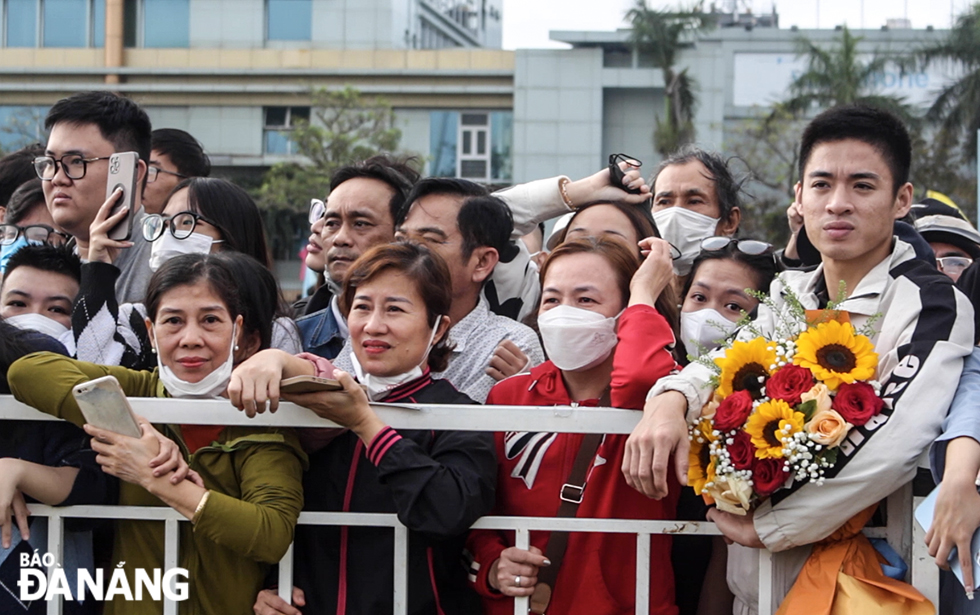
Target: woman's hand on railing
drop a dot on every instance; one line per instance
(255, 382)
(508, 359)
(348, 407)
(515, 572)
(13, 509)
(268, 602)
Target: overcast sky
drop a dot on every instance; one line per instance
(527, 22)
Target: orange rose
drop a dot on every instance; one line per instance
(828, 428)
(821, 394)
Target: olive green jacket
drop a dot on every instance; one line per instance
(254, 477)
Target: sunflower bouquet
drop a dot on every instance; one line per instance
(782, 408)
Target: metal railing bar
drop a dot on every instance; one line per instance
(171, 546)
(643, 572)
(56, 547)
(400, 601)
(522, 540)
(286, 576)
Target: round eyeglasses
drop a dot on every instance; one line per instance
(73, 165)
(152, 173)
(318, 209)
(35, 233)
(752, 247)
(181, 225)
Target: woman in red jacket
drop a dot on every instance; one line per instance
(605, 341)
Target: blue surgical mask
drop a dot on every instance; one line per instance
(7, 251)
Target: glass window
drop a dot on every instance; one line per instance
(63, 21)
(20, 126)
(130, 22)
(166, 23)
(474, 160)
(21, 23)
(617, 58)
(98, 23)
(501, 146)
(279, 122)
(289, 20)
(443, 130)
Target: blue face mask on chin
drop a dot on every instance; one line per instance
(7, 251)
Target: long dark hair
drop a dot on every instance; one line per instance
(233, 211)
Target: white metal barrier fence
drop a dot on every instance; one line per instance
(774, 577)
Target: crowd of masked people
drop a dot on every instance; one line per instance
(438, 292)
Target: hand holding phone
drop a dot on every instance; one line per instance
(123, 173)
(104, 405)
(308, 384)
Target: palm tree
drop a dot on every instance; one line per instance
(957, 107)
(838, 75)
(661, 34)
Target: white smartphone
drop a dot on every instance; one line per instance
(123, 172)
(104, 405)
(924, 515)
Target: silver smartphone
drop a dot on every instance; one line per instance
(123, 172)
(104, 405)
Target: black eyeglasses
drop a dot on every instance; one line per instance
(318, 209)
(37, 233)
(616, 174)
(181, 225)
(73, 165)
(153, 172)
(752, 247)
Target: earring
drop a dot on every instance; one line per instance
(236, 347)
(153, 349)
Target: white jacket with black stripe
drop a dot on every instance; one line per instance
(924, 332)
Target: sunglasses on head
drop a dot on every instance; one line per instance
(752, 247)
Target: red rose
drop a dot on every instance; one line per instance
(788, 383)
(733, 411)
(857, 402)
(741, 451)
(768, 476)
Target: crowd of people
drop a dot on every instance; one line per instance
(436, 291)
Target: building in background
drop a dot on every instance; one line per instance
(237, 75)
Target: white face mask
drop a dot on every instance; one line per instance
(168, 246)
(36, 322)
(212, 385)
(684, 229)
(704, 330)
(378, 387)
(577, 339)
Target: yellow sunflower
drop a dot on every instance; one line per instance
(835, 354)
(772, 423)
(701, 466)
(742, 367)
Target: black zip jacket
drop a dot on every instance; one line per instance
(438, 483)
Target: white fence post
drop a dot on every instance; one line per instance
(522, 540)
(643, 572)
(400, 606)
(286, 576)
(56, 544)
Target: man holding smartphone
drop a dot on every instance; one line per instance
(86, 129)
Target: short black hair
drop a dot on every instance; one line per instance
(232, 210)
(122, 122)
(183, 150)
(880, 129)
(483, 220)
(397, 173)
(24, 201)
(56, 259)
(728, 188)
(17, 168)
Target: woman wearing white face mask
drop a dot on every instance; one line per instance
(202, 216)
(244, 500)
(717, 293)
(396, 297)
(607, 344)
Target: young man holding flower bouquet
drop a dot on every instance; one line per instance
(821, 461)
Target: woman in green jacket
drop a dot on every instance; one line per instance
(245, 498)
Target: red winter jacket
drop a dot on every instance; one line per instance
(598, 572)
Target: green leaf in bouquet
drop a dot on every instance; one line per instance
(830, 456)
(807, 408)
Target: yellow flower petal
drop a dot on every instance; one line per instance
(742, 366)
(771, 425)
(835, 354)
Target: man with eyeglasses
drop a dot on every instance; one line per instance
(954, 240)
(27, 222)
(175, 155)
(85, 130)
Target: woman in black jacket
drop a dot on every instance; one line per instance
(397, 298)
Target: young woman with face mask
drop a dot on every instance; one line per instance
(396, 297)
(244, 496)
(718, 291)
(202, 216)
(607, 345)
